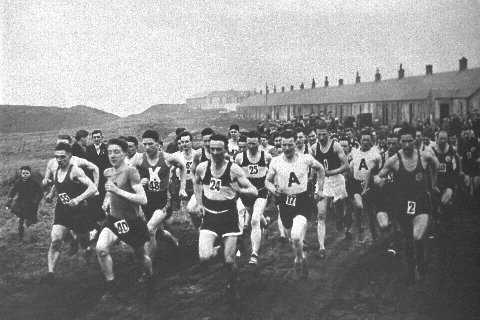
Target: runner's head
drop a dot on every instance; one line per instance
(25, 172)
(242, 143)
(277, 140)
(132, 143)
(392, 144)
(117, 151)
(301, 139)
(418, 137)
(65, 138)
(218, 147)
(382, 141)
(289, 139)
(253, 141)
(366, 140)
(442, 139)
(322, 133)
(151, 142)
(345, 144)
(206, 135)
(63, 153)
(453, 140)
(234, 131)
(263, 140)
(185, 141)
(311, 135)
(407, 138)
(97, 137)
(81, 137)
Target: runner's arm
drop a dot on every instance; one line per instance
(138, 196)
(197, 186)
(387, 168)
(320, 170)
(178, 161)
(80, 175)
(270, 180)
(90, 166)
(48, 173)
(246, 187)
(432, 164)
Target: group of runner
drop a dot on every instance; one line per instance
(402, 182)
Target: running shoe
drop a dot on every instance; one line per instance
(253, 260)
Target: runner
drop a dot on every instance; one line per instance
(124, 221)
(302, 145)
(363, 161)
(233, 141)
(132, 151)
(409, 167)
(287, 179)
(469, 151)
(255, 164)
(71, 212)
(277, 145)
(215, 191)
(154, 168)
(331, 155)
(264, 146)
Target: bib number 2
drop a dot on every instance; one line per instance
(411, 206)
(291, 200)
(122, 226)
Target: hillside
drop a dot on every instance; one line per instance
(23, 119)
(160, 110)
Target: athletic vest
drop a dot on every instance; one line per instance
(447, 164)
(188, 167)
(256, 172)
(68, 189)
(292, 177)
(203, 157)
(363, 161)
(158, 175)
(218, 194)
(411, 185)
(330, 159)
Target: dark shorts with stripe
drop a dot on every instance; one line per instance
(420, 204)
(155, 201)
(223, 224)
(73, 218)
(132, 232)
(292, 206)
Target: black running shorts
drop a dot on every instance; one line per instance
(132, 232)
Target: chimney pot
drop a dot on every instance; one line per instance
(378, 76)
(463, 64)
(428, 69)
(283, 89)
(401, 72)
(313, 83)
(340, 82)
(357, 78)
(274, 89)
(326, 81)
(302, 86)
(291, 87)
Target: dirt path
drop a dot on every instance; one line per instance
(353, 282)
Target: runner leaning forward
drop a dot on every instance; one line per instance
(217, 184)
(124, 221)
(410, 167)
(71, 212)
(290, 171)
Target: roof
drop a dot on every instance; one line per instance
(228, 93)
(453, 84)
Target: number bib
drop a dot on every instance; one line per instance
(411, 206)
(469, 155)
(442, 168)
(215, 184)
(154, 180)
(188, 165)
(64, 198)
(122, 226)
(253, 169)
(291, 200)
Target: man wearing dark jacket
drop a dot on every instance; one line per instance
(97, 153)
(80, 144)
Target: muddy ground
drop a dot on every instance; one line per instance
(354, 281)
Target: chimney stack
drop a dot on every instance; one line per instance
(428, 69)
(283, 89)
(274, 89)
(401, 72)
(314, 84)
(378, 76)
(340, 82)
(463, 64)
(326, 82)
(302, 86)
(291, 87)
(261, 92)
(357, 78)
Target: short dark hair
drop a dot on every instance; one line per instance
(263, 135)
(206, 132)
(254, 134)
(392, 135)
(62, 146)
(119, 142)
(407, 130)
(289, 134)
(64, 137)
(322, 126)
(235, 127)
(26, 168)
(242, 139)
(131, 139)
(179, 130)
(97, 131)
(275, 135)
(366, 132)
(152, 134)
(81, 134)
(219, 137)
(185, 134)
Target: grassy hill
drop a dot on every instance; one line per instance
(36, 119)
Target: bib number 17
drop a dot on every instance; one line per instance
(411, 206)
(291, 200)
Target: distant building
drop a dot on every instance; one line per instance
(391, 101)
(218, 99)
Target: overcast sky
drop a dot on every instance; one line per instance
(124, 56)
